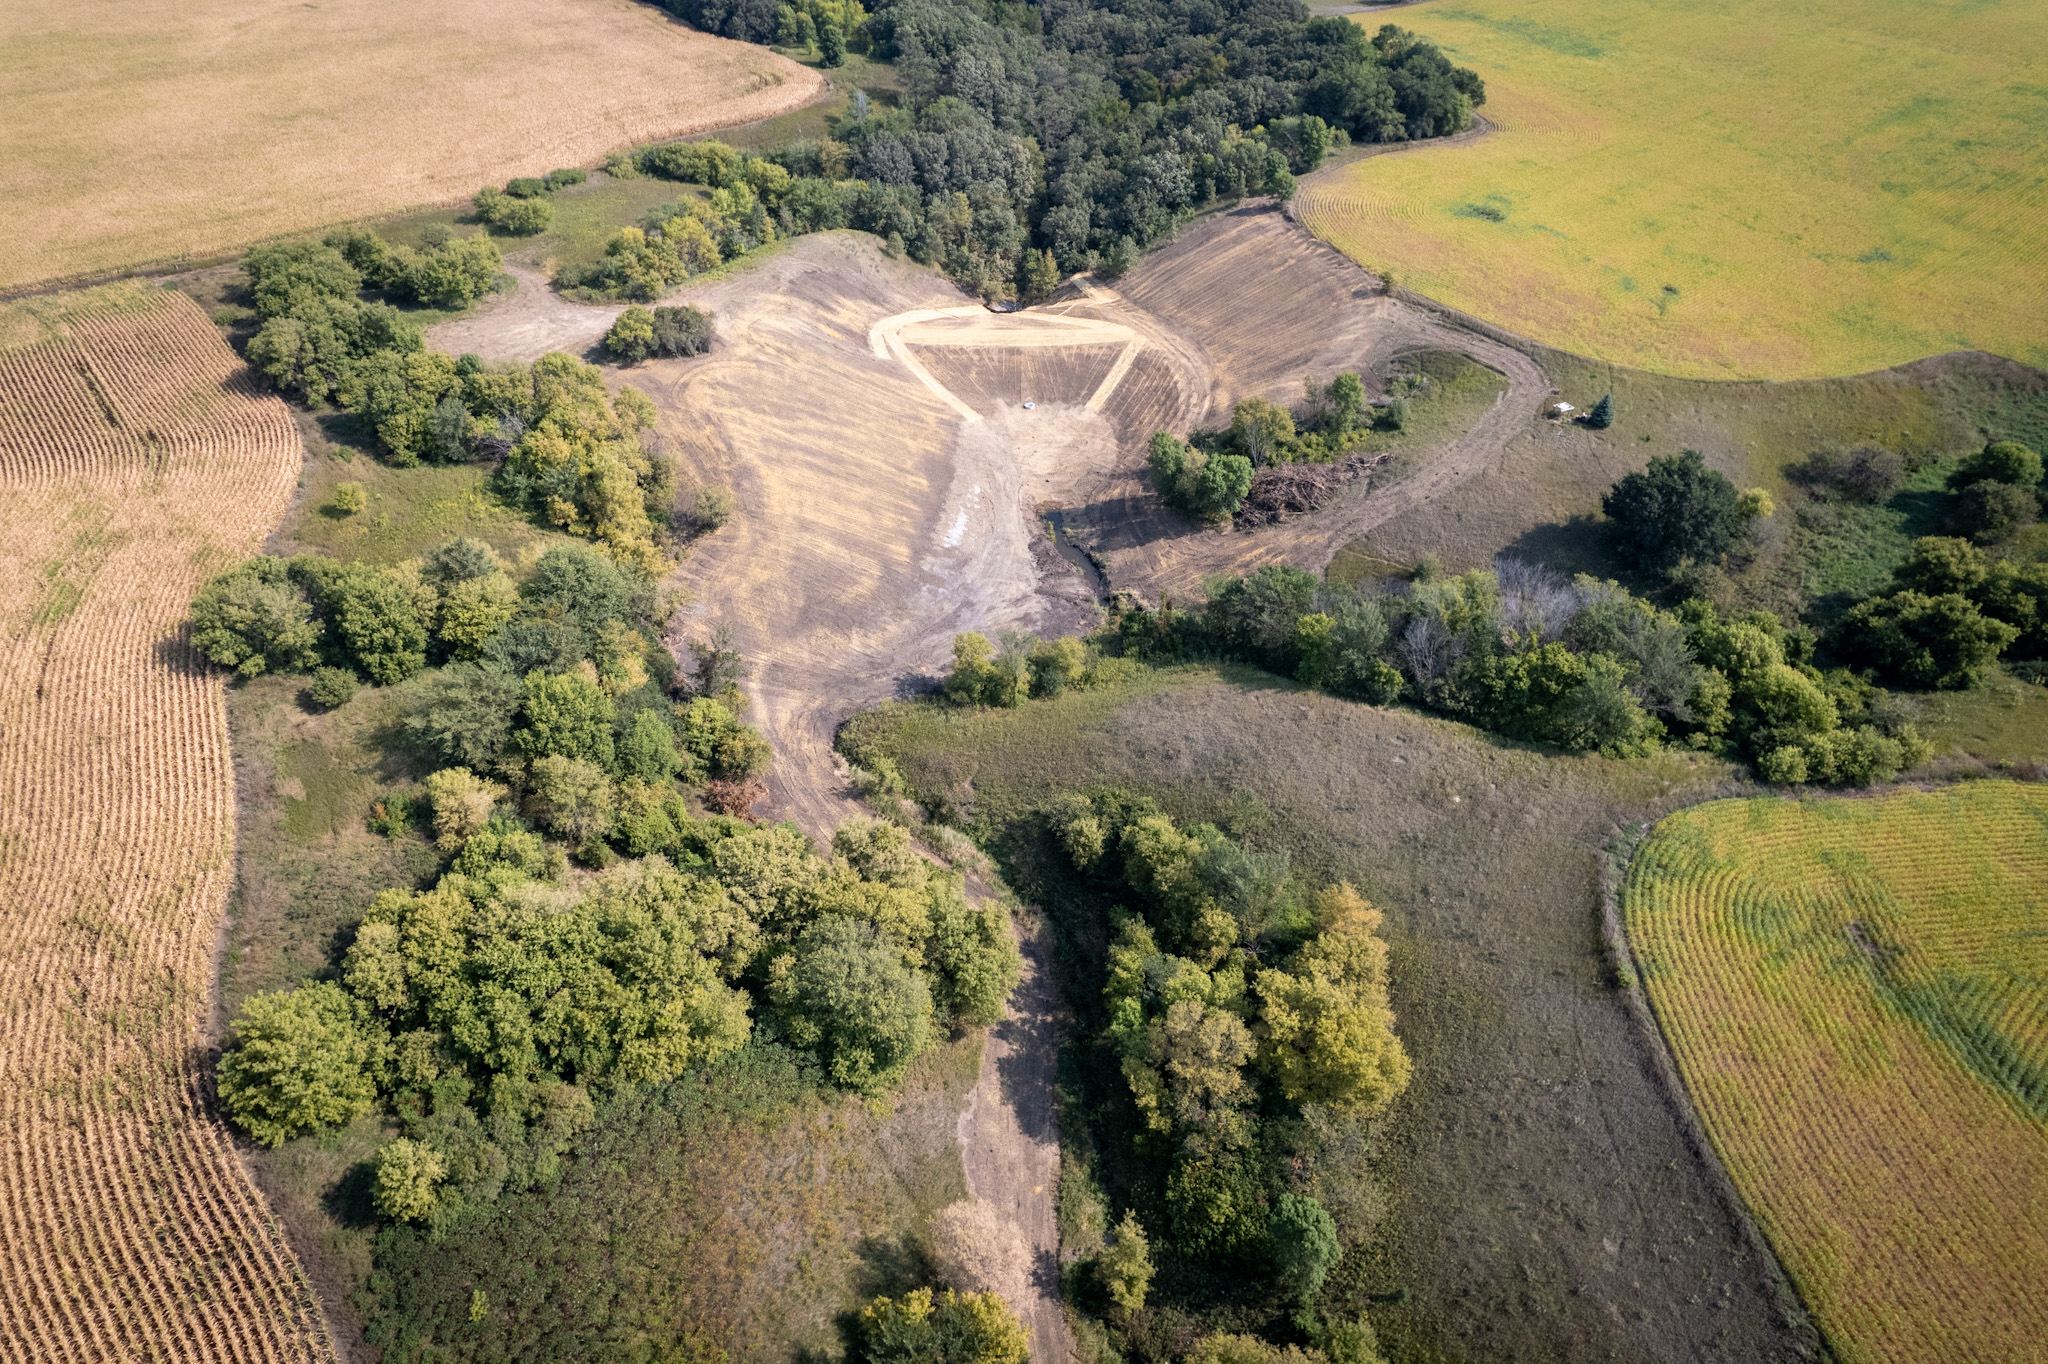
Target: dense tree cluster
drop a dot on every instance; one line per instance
(1243, 1019)
(1949, 613)
(1090, 131)
(485, 1014)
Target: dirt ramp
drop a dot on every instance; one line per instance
(1256, 303)
(994, 378)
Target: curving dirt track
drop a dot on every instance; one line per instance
(1256, 302)
(136, 458)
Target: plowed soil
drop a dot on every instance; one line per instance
(136, 458)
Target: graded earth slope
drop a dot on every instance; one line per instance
(136, 459)
(143, 132)
(1256, 306)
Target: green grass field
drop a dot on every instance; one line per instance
(1728, 190)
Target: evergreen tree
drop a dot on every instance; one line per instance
(1602, 415)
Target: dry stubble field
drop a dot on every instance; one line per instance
(151, 131)
(1857, 994)
(136, 458)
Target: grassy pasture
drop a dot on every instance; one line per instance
(139, 133)
(1854, 992)
(1542, 1203)
(1728, 190)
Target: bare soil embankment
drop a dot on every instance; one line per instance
(1258, 305)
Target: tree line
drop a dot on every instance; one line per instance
(1074, 135)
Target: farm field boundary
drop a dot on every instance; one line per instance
(135, 460)
(1725, 191)
(1851, 990)
(150, 132)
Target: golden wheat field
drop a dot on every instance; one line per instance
(1856, 992)
(1728, 190)
(142, 132)
(136, 458)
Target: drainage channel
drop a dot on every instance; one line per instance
(1076, 556)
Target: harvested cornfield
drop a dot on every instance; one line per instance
(1856, 992)
(135, 459)
(154, 130)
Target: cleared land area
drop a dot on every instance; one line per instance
(1854, 991)
(136, 458)
(1543, 1201)
(133, 133)
(1727, 190)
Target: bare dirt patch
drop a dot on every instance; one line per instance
(132, 133)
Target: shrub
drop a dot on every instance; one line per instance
(377, 620)
(683, 331)
(578, 586)
(718, 746)
(465, 716)
(1217, 1205)
(563, 178)
(2001, 461)
(958, 1328)
(471, 613)
(1676, 509)
(1305, 1247)
(1125, 1266)
(521, 217)
(1928, 643)
(631, 338)
(566, 715)
(711, 508)
(1242, 1349)
(1867, 473)
(571, 798)
(649, 750)
(1326, 1033)
(462, 804)
(349, 498)
(332, 688)
(527, 187)
(407, 1180)
(1989, 512)
(846, 992)
(296, 1060)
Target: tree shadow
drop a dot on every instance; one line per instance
(349, 1202)
(889, 1266)
(1573, 546)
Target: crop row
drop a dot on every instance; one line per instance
(1898, 1179)
(133, 461)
